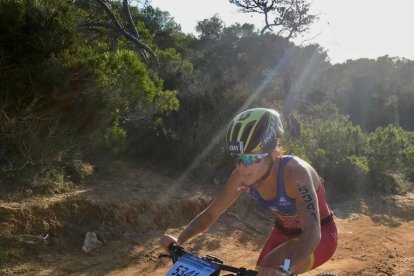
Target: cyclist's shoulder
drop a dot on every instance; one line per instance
(295, 164)
(297, 169)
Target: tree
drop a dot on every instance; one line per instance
(62, 97)
(372, 92)
(211, 28)
(116, 27)
(164, 31)
(290, 17)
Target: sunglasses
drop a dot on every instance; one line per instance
(248, 159)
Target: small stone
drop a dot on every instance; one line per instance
(91, 242)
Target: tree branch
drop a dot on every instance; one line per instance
(291, 16)
(128, 16)
(134, 37)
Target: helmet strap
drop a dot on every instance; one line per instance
(269, 169)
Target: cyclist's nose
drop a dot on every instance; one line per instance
(240, 166)
(244, 170)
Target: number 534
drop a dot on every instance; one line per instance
(183, 271)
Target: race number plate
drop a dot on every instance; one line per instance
(190, 265)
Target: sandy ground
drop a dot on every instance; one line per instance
(380, 244)
(376, 237)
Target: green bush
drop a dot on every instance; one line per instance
(351, 174)
(409, 156)
(386, 149)
(334, 147)
(394, 183)
(293, 146)
(62, 96)
(390, 158)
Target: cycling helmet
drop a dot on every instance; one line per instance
(254, 131)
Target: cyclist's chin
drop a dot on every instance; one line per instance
(249, 175)
(250, 179)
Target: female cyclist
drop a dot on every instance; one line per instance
(304, 235)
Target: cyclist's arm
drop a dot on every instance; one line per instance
(303, 190)
(220, 204)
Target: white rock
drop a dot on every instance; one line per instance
(91, 242)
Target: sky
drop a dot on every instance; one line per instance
(346, 29)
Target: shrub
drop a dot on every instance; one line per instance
(390, 157)
(334, 147)
(394, 183)
(62, 97)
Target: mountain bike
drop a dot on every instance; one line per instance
(189, 264)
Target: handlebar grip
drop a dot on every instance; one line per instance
(176, 251)
(172, 246)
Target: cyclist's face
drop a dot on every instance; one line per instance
(253, 172)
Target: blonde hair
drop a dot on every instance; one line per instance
(280, 151)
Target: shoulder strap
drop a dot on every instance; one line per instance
(281, 175)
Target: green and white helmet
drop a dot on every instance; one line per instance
(254, 131)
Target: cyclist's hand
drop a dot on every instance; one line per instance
(268, 271)
(166, 240)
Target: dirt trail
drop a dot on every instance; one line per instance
(365, 248)
(375, 244)
(376, 234)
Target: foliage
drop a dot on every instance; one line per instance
(211, 28)
(372, 92)
(221, 81)
(62, 97)
(390, 158)
(289, 17)
(165, 32)
(115, 20)
(35, 85)
(334, 147)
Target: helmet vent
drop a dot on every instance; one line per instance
(236, 132)
(246, 131)
(258, 133)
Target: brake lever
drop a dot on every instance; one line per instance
(213, 259)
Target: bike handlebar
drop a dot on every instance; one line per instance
(177, 252)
